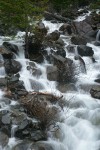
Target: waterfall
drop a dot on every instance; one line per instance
(2, 69)
(79, 124)
(98, 36)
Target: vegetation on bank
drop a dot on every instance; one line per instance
(22, 14)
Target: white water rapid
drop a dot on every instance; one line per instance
(80, 117)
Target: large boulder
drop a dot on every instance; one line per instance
(79, 40)
(52, 73)
(66, 28)
(5, 53)
(54, 36)
(12, 66)
(84, 50)
(42, 146)
(11, 47)
(4, 139)
(64, 68)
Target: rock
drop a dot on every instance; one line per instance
(11, 47)
(83, 27)
(35, 71)
(79, 40)
(39, 106)
(52, 73)
(95, 92)
(66, 28)
(36, 86)
(65, 68)
(36, 57)
(5, 53)
(96, 43)
(97, 80)
(37, 135)
(6, 119)
(12, 66)
(71, 48)
(84, 50)
(54, 36)
(34, 48)
(3, 82)
(60, 42)
(66, 87)
(18, 118)
(42, 146)
(25, 145)
(4, 139)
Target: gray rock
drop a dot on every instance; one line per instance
(66, 87)
(11, 47)
(6, 119)
(79, 40)
(36, 85)
(3, 82)
(3, 139)
(42, 146)
(84, 50)
(52, 73)
(66, 28)
(25, 145)
(12, 66)
(95, 92)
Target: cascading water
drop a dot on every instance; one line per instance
(80, 117)
(98, 36)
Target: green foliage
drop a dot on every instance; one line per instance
(95, 5)
(19, 13)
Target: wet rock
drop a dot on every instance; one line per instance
(71, 49)
(36, 57)
(18, 117)
(97, 80)
(6, 119)
(88, 87)
(79, 40)
(5, 53)
(66, 28)
(66, 87)
(36, 85)
(6, 101)
(42, 146)
(21, 92)
(85, 50)
(96, 43)
(25, 145)
(11, 47)
(95, 92)
(60, 42)
(37, 135)
(83, 27)
(65, 68)
(23, 125)
(4, 139)
(34, 47)
(39, 105)
(12, 66)
(52, 73)
(54, 36)
(3, 82)
(35, 71)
